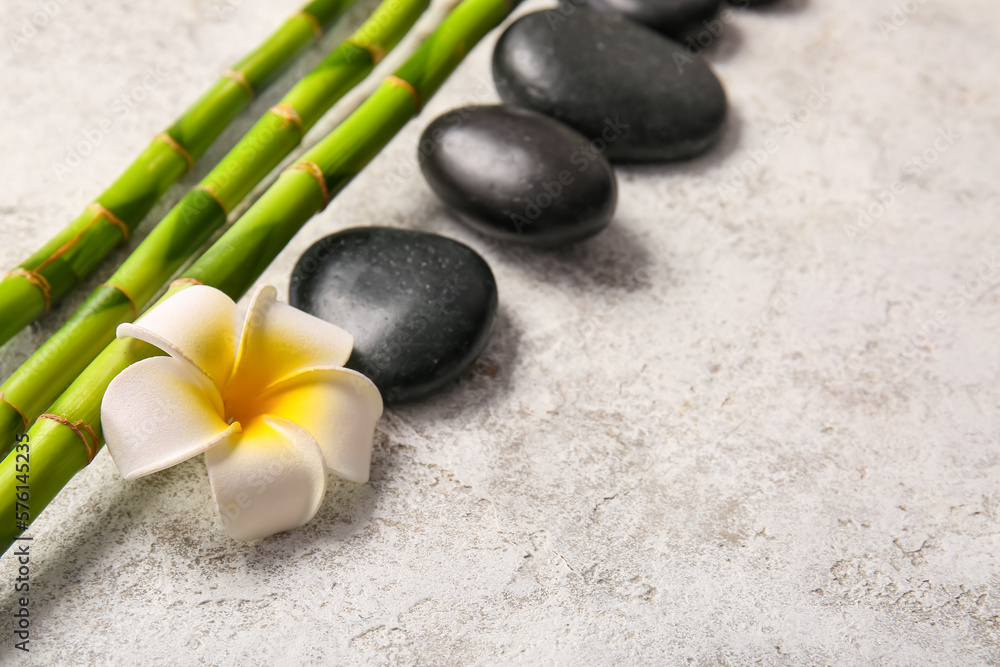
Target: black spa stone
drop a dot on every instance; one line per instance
(517, 175)
(671, 17)
(618, 83)
(420, 306)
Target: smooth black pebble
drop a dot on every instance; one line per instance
(671, 17)
(617, 82)
(420, 306)
(517, 175)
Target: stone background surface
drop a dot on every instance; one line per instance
(736, 428)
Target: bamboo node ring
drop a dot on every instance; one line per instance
(210, 190)
(313, 170)
(131, 301)
(377, 52)
(403, 83)
(288, 112)
(175, 145)
(16, 409)
(39, 281)
(112, 218)
(79, 428)
(316, 26)
(240, 78)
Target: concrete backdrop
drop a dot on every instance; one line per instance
(744, 425)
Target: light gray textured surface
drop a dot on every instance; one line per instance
(725, 431)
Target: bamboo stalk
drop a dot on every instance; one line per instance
(65, 440)
(52, 368)
(46, 276)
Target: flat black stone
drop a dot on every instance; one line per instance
(614, 81)
(517, 175)
(671, 17)
(420, 306)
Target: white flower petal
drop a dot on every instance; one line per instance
(157, 413)
(279, 340)
(199, 324)
(268, 479)
(339, 407)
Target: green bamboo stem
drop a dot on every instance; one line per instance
(47, 275)
(52, 368)
(58, 449)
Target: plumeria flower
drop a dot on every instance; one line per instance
(266, 399)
